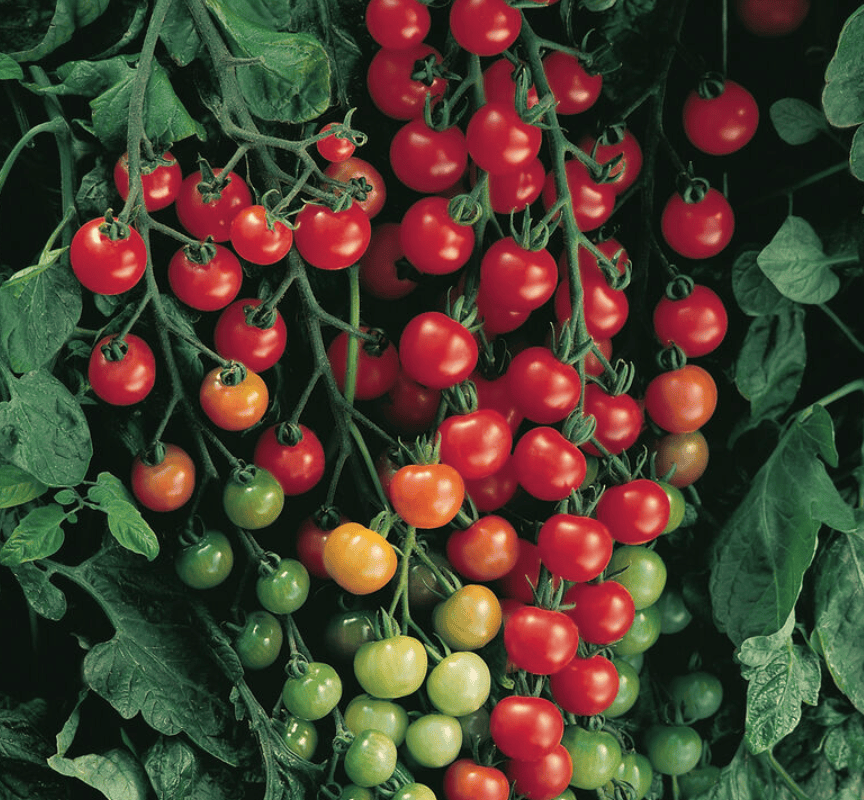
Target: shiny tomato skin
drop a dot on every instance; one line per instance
(545, 778)
(392, 89)
(635, 512)
(333, 148)
(376, 372)
(495, 394)
(526, 728)
(593, 203)
(516, 190)
(515, 278)
(687, 452)
(428, 160)
(625, 174)
(548, 466)
(477, 444)
(104, 265)
(238, 340)
(497, 319)
(427, 495)
(465, 779)
(126, 381)
(698, 230)
(484, 551)
(543, 388)
(237, 407)
(437, 351)
(431, 240)
(212, 218)
(499, 85)
(696, 323)
(359, 559)
(160, 185)
(397, 23)
(585, 686)
(165, 486)
(574, 89)
(299, 467)
(573, 547)
(681, 400)
(469, 618)
(619, 420)
(379, 273)
(253, 238)
(330, 239)
(494, 491)
(606, 309)
(723, 124)
(310, 541)
(603, 612)
(205, 287)
(355, 168)
(499, 141)
(484, 27)
(539, 640)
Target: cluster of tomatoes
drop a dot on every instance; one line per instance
(493, 648)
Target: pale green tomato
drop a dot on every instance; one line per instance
(636, 770)
(459, 684)
(643, 633)
(299, 735)
(415, 791)
(370, 759)
(369, 713)
(391, 668)
(434, 740)
(595, 756)
(674, 615)
(354, 792)
(628, 690)
(643, 575)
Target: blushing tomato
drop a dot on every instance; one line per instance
(469, 618)
(234, 399)
(681, 400)
(486, 550)
(427, 495)
(163, 480)
(359, 559)
(122, 373)
(240, 335)
(687, 452)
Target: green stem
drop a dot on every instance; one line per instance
(793, 787)
(353, 344)
(401, 593)
(837, 394)
(54, 126)
(843, 327)
(794, 187)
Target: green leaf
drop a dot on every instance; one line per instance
(39, 309)
(177, 769)
(68, 16)
(838, 601)
(781, 676)
(156, 664)
(842, 97)
(771, 363)
(38, 535)
(43, 430)
(96, 192)
(18, 486)
(844, 745)
(756, 295)
(21, 736)
(769, 541)
(179, 35)
(124, 519)
(796, 264)
(290, 82)
(43, 596)
(746, 777)
(623, 16)
(188, 356)
(10, 69)
(796, 121)
(856, 154)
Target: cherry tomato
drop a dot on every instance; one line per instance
(687, 452)
(516, 190)
(467, 780)
(252, 498)
(107, 258)
(205, 563)
(772, 17)
(206, 286)
(636, 770)
(585, 686)
(516, 278)
(681, 400)
(365, 712)
(698, 694)
(397, 23)
(347, 632)
(499, 85)
(723, 124)
(477, 444)
(205, 213)
(333, 147)
(391, 86)
(377, 365)
(410, 407)
(431, 240)
(696, 323)
(642, 633)
(459, 684)
(634, 512)
(497, 319)
(330, 239)
(299, 735)
(526, 728)
(428, 160)
(437, 351)
(544, 778)
(619, 420)
(674, 614)
(311, 538)
(603, 612)
(284, 588)
(484, 27)
(122, 373)
(495, 394)
(498, 140)
(543, 388)
(380, 273)
(495, 491)
(238, 338)
(314, 694)
(259, 640)
(596, 756)
(593, 203)
(574, 89)
(484, 551)
(166, 485)
(434, 740)
(355, 168)
(519, 583)
(391, 668)
(612, 144)
(548, 466)
(359, 559)
(469, 618)
(700, 229)
(641, 572)
(160, 180)
(673, 749)
(427, 495)
(233, 406)
(606, 309)
(258, 239)
(299, 466)
(628, 689)
(539, 640)
(573, 547)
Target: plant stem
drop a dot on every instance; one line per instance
(843, 327)
(793, 787)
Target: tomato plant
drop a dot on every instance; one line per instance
(207, 207)
(205, 562)
(108, 257)
(160, 180)
(244, 334)
(163, 480)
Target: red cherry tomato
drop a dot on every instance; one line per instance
(105, 265)
(635, 512)
(437, 351)
(379, 270)
(603, 612)
(526, 728)
(772, 17)
(311, 538)
(574, 88)
(548, 466)
(698, 230)
(498, 319)
(122, 373)
(518, 584)
(681, 400)
(427, 495)
(238, 339)
(723, 124)
(627, 171)
(593, 203)
(165, 486)
(355, 168)
(585, 686)
(484, 551)
(397, 23)
(573, 547)
(258, 239)
(477, 444)
(391, 87)
(431, 240)
(516, 190)
(484, 27)
(515, 278)
(330, 239)
(333, 147)
(619, 420)
(496, 394)
(409, 406)
(377, 365)
(428, 160)
(499, 85)
(696, 323)
(206, 286)
(160, 182)
(495, 491)
(544, 778)
(299, 466)
(499, 141)
(467, 780)
(204, 214)
(543, 388)
(539, 640)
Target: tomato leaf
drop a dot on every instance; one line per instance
(39, 308)
(289, 81)
(796, 264)
(769, 541)
(10, 69)
(21, 738)
(844, 745)
(187, 354)
(771, 364)
(18, 486)
(96, 192)
(43, 430)
(781, 676)
(856, 154)
(69, 15)
(746, 777)
(155, 665)
(796, 121)
(839, 609)
(38, 535)
(756, 295)
(124, 519)
(177, 769)
(43, 596)
(842, 98)
(179, 35)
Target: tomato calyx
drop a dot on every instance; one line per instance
(113, 228)
(153, 455)
(232, 374)
(289, 434)
(243, 473)
(691, 188)
(680, 287)
(201, 253)
(711, 85)
(532, 238)
(210, 186)
(671, 358)
(465, 209)
(262, 316)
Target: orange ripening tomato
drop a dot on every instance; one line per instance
(427, 495)
(359, 559)
(233, 407)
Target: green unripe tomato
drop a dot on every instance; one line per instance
(348, 631)
(391, 668)
(676, 506)
(314, 694)
(299, 735)
(697, 781)
(643, 575)
(628, 689)
(459, 684)
(673, 749)
(434, 740)
(643, 633)
(636, 770)
(699, 694)
(205, 563)
(475, 728)
(636, 660)
(567, 794)
(368, 713)
(354, 792)
(259, 641)
(370, 758)
(253, 498)
(415, 791)
(674, 616)
(285, 589)
(595, 756)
